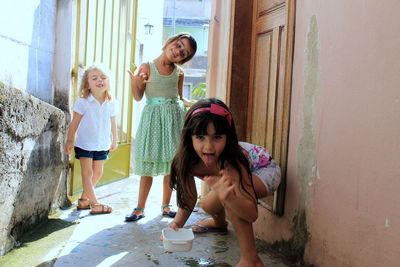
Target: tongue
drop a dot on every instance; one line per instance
(208, 160)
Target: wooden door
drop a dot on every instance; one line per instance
(270, 83)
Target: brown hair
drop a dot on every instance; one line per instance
(84, 90)
(179, 36)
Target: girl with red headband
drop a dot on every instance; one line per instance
(238, 173)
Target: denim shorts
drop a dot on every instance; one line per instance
(270, 175)
(95, 155)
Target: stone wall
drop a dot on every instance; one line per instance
(33, 168)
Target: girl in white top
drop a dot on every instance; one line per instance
(94, 118)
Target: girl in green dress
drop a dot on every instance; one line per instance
(161, 81)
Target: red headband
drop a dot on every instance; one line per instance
(217, 110)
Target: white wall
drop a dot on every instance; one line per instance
(27, 46)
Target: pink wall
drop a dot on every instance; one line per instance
(344, 144)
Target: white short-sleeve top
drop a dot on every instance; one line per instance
(94, 131)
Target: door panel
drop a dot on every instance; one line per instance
(270, 82)
(265, 6)
(260, 102)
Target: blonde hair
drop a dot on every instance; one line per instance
(84, 90)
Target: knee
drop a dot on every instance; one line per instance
(87, 173)
(98, 173)
(205, 205)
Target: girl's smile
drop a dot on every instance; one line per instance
(98, 84)
(180, 49)
(210, 146)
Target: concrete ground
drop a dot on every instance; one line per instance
(76, 238)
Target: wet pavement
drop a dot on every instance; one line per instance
(76, 238)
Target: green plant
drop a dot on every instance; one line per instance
(199, 91)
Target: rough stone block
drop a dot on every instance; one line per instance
(33, 167)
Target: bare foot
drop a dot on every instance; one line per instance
(256, 262)
(209, 225)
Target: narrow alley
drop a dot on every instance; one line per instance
(76, 238)
(316, 82)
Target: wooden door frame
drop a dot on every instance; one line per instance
(241, 80)
(240, 62)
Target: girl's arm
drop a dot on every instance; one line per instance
(180, 90)
(114, 144)
(73, 126)
(232, 196)
(138, 81)
(182, 215)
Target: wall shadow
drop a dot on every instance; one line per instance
(41, 52)
(38, 188)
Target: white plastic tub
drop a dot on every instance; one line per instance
(180, 240)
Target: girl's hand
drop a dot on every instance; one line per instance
(211, 180)
(187, 103)
(113, 146)
(222, 185)
(174, 225)
(226, 188)
(140, 77)
(68, 147)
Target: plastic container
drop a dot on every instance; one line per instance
(180, 240)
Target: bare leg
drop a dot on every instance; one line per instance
(245, 236)
(259, 186)
(212, 206)
(144, 189)
(87, 176)
(167, 192)
(97, 167)
(243, 229)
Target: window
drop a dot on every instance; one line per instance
(187, 90)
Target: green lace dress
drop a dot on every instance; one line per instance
(160, 124)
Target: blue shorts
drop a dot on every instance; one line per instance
(270, 175)
(95, 155)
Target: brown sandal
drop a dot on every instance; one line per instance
(83, 204)
(100, 209)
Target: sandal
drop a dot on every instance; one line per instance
(200, 227)
(100, 209)
(133, 217)
(83, 204)
(170, 213)
(204, 229)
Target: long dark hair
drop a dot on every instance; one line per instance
(186, 157)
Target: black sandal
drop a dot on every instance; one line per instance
(133, 217)
(170, 213)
